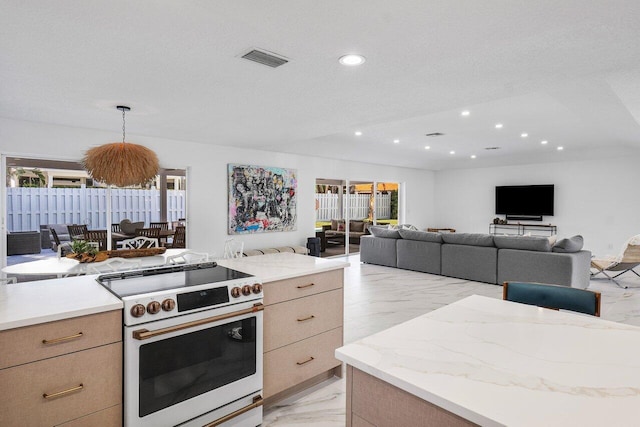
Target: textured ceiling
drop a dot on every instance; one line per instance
(567, 72)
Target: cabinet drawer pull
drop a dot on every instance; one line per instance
(306, 361)
(57, 340)
(305, 286)
(63, 392)
(307, 318)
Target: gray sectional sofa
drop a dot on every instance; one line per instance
(480, 257)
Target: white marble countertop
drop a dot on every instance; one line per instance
(499, 363)
(31, 303)
(284, 265)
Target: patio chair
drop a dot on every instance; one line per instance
(62, 248)
(98, 236)
(77, 231)
(112, 264)
(140, 242)
(188, 257)
(115, 228)
(179, 238)
(626, 261)
(553, 296)
(160, 225)
(154, 233)
(233, 249)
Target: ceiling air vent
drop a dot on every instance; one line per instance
(435, 134)
(491, 148)
(265, 58)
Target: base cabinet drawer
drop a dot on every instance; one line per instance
(110, 417)
(295, 363)
(63, 388)
(37, 342)
(303, 286)
(291, 321)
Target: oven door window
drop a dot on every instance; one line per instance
(176, 369)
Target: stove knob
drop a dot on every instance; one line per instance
(153, 307)
(137, 310)
(235, 292)
(246, 290)
(257, 288)
(168, 304)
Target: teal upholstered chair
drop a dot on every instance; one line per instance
(553, 296)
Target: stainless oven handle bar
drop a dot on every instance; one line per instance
(257, 401)
(143, 334)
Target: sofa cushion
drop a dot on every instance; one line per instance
(424, 236)
(357, 226)
(469, 239)
(380, 231)
(335, 223)
(538, 244)
(570, 245)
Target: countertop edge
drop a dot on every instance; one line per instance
(37, 320)
(417, 391)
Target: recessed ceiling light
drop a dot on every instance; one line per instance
(498, 125)
(473, 156)
(352, 60)
(358, 133)
(396, 141)
(544, 142)
(560, 148)
(452, 152)
(465, 113)
(524, 135)
(426, 147)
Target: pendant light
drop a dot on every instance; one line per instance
(121, 163)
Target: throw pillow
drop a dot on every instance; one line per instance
(334, 224)
(379, 231)
(424, 236)
(553, 239)
(570, 245)
(341, 226)
(356, 226)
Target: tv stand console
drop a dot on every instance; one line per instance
(522, 229)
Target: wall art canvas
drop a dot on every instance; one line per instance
(261, 199)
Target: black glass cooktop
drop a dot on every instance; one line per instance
(139, 282)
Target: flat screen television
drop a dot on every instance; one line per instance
(524, 200)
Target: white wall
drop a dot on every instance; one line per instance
(597, 199)
(207, 184)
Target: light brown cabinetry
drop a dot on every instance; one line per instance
(303, 320)
(67, 372)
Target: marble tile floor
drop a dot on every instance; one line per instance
(377, 298)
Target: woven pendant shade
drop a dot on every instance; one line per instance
(120, 163)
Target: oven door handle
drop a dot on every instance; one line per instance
(143, 334)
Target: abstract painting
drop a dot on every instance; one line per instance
(261, 199)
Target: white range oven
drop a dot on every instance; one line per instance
(192, 346)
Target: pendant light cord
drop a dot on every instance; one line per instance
(123, 134)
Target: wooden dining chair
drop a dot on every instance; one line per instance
(553, 296)
(99, 236)
(77, 231)
(160, 225)
(115, 228)
(179, 238)
(154, 233)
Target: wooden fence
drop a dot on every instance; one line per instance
(328, 206)
(27, 208)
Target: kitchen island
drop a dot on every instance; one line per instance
(495, 363)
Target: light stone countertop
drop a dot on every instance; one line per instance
(31, 303)
(499, 363)
(284, 265)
